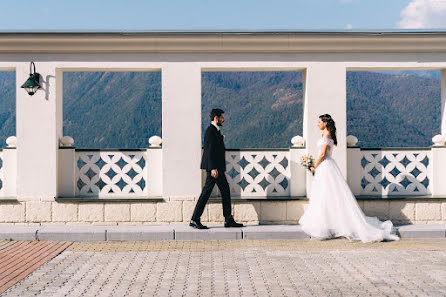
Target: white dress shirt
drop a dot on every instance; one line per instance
(216, 126)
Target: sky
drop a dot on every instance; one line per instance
(221, 15)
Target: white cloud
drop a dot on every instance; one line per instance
(349, 26)
(420, 14)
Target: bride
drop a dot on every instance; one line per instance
(333, 210)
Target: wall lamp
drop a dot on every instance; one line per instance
(32, 84)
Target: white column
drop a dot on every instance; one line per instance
(67, 172)
(325, 92)
(443, 102)
(9, 172)
(438, 185)
(439, 152)
(298, 172)
(39, 127)
(154, 167)
(354, 169)
(181, 121)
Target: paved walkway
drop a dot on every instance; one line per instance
(19, 259)
(410, 267)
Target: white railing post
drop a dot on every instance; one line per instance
(438, 163)
(9, 168)
(66, 168)
(298, 185)
(154, 167)
(353, 165)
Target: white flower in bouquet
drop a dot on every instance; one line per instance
(307, 161)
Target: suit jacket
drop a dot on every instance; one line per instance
(214, 150)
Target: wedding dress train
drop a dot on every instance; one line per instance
(333, 210)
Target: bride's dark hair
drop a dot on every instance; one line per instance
(326, 118)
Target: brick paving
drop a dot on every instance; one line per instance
(19, 259)
(410, 267)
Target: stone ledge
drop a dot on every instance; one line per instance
(422, 231)
(19, 232)
(9, 200)
(401, 198)
(184, 232)
(256, 199)
(421, 198)
(274, 232)
(108, 200)
(238, 199)
(140, 233)
(72, 233)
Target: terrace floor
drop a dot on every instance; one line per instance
(409, 267)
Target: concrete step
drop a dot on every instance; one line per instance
(140, 233)
(422, 231)
(184, 232)
(72, 233)
(19, 232)
(274, 232)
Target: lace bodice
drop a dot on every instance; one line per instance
(327, 141)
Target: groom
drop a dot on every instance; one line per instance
(213, 161)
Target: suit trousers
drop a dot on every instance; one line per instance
(223, 186)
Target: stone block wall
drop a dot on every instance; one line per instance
(177, 211)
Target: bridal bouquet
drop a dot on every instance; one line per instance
(307, 161)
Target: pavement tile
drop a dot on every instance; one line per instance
(408, 267)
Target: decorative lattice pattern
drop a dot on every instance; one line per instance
(395, 172)
(108, 174)
(258, 173)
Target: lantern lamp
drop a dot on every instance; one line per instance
(32, 84)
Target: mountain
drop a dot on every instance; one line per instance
(262, 109)
(420, 73)
(7, 105)
(392, 110)
(112, 109)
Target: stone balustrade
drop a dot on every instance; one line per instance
(267, 185)
(111, 173)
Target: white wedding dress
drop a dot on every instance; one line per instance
(333, 210)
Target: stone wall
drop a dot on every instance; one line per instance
(174, 211)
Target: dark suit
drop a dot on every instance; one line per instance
(213, 158)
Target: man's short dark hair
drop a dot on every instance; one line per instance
(216, 112)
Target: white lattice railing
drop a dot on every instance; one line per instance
(258, 172)
(396, 172)
(111, 173)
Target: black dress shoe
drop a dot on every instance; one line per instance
(197, 225)
(231, 223)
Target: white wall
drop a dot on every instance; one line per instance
(39, 118)
(181, 126)
(38, 130)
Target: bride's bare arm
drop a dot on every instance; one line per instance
(321, 156)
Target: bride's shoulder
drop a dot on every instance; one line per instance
(326, 140)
